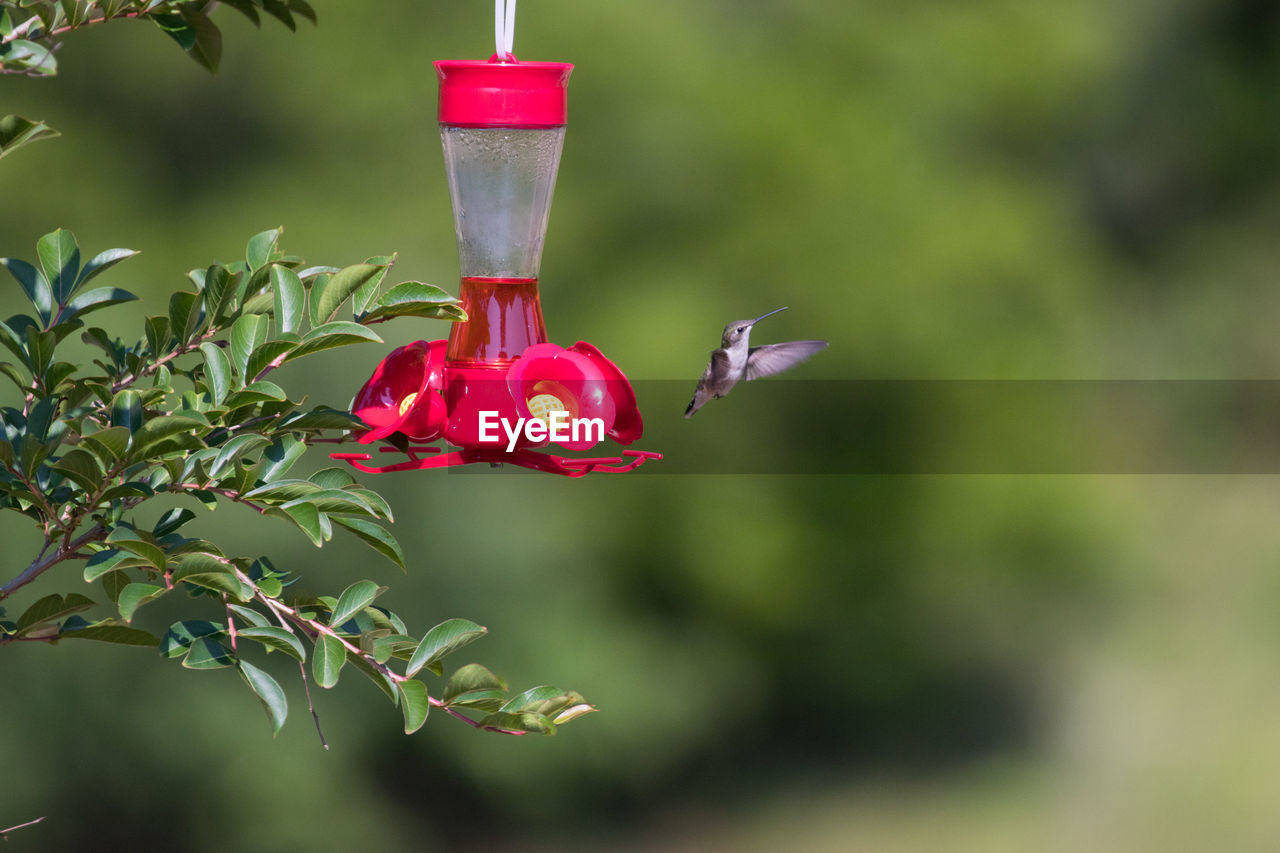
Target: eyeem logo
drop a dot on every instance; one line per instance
(555, 426)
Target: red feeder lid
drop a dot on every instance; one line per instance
(503, 93)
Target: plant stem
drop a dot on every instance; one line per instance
(42, 564)
(306, 686)
(4, 833)
(229, 494)
(153, 366)
(283, 611)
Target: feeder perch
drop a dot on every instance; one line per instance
(502, 126)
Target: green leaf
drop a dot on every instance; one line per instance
(367, 294)
(472, 678)
(354, 598)
(522, 723)
(219, 291)
(9, 338)
(332, 478)
(247, 334)
(171, 521)
(220, 582)
(375, 536)
(290, 298)
(134, 596)
(102, 562)
(102, 262)
(260, 248)
(92, 300)
(447, 637)
(128, 490)
(482, 700)
(393, 645)
(34, 284)
(339, 333)
(16, 131)
(326, 299)
(327, 662)
(236, 448)
(60, 260)
(415, 704)
(250, 616)
(548, 701)
(57, 373)
(32, 58)
(181, 635)
(279, 458)
(82, 468)
(306, 517)
(206, 47)
(415, 299)
(246, 8)
(261, 391)
(264, 355)
(379, 678)
(131, 540)
(110, 444)
(283, 490)
(112, 583)
(319, 418)
(50, 609)
(573, 712)
(111, 632)
(126, 410)
(278, 10)
(335, 500)
(269, 691)
(276, 638)
(303, 8)
(159, 331)
(185, 314)
(176, 28)
(208, 653)
(40, 346)
(157, 429)
(217, 368)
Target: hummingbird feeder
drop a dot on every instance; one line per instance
(497, 390)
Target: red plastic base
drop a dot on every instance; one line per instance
(567, 466)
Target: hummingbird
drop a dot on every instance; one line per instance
(736, 360)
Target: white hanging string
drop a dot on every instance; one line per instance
(504, 27)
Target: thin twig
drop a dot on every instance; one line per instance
(231, 622)
(229, 494)
(153, 366)
(40, 566)
(306, 686)
(284, 612)
(4, 833)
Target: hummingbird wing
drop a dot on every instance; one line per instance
(774, 358)
(719, 366)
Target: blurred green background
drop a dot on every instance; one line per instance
(976, 190)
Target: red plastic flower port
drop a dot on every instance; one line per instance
(404, 394)
(580, 381)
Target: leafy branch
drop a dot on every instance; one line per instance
(31, 30)
(189, 411)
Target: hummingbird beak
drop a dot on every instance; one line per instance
(770, 314)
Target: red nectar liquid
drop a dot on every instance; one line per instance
(504, 318)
